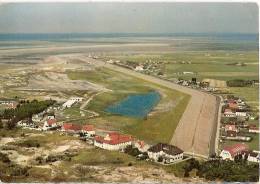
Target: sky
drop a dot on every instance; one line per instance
(128, 18)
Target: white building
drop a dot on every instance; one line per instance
(139, 68)
(113, 141)
(229, 113)
(241, 114)
(49, 124)
(71, 101)
(253, 130)
(167, 153)
(88, 129)
(229, 152)
(253, 157)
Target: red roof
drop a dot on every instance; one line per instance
(51, 121)
(70, 126)
(233, 105)
(228, 110)
(230, 127)
(236, 149)
(88, 128)
(113, 138)
(253, 128)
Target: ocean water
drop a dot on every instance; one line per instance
(69, 36)
(136, 106)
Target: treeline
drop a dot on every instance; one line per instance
(239, 83)
(230, 171)
(25, 110)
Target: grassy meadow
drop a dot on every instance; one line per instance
(150, 128)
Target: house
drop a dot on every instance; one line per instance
(231, 128)
(229, 152)
(113, 141)
(139, 68)
(229, 113)
(8, 103)
(253, 129)
(231, 133)
(233, 105)
(253, 157)
(141, 146)
(88, 129)
(49, 124)
(167, 153)
(71, 128)
(241, 114)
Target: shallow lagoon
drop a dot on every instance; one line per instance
(137, 105)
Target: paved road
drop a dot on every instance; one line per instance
(196, 131)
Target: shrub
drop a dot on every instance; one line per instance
(29, 143)
(4, 158)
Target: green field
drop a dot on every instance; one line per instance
(208, 64)
(156, 128)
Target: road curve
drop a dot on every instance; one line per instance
(196, 131)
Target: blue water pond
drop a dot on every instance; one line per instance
(137, 105)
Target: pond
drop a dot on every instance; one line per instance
(136, 105)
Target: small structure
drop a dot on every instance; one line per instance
(141, 146)
(139, 68)
(229, 113)
(229, 152)
(231, 128)
(253, 157)
(71, 128)
(71, 101)
(165, 153)
(50, 124)
(88, 129)
(113, 141)
(241, 114)
(231, 133)
(253, 129)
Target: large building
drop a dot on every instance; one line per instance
(230, 152)
(167, 153)
(71, 128)
(88, 129)
(113, 141)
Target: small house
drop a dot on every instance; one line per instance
(253, 129)
(231, 128)
(71, 128)
(165, 153)
(253, 157)
(49, 124)
(229, 113)
(88, 129)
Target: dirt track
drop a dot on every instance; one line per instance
(196, 131)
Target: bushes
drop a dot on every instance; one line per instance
(239, 83)
(224, 170)
(4, 158)
(132, 151)
(29, 143)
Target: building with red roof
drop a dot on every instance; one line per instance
(229, 113)
(50, 124)
(253, 129)
(70, 127)
(88, 129)
(113, 141)
(231, 128)
(229, 152)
